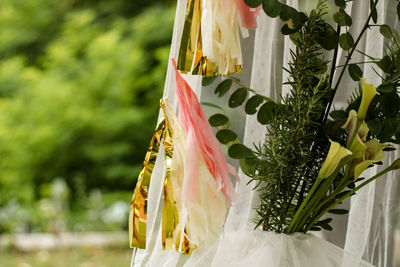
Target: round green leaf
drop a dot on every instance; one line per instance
(285, 12)
(252, 104)
(246, 169)
(340, 3)
(355, 72)
(239, 151)
(328, 38)
(348, 19)
(237, 98)
(253, 3)
(288, 12)
(206, 81)
(223, 87)
(272, 7)
(225, 136)
(346, 41)
(385, 31)
(342, 18)
(218, 120)
(266, 113)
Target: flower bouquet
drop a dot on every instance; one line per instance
(313, 156)
(310, 161)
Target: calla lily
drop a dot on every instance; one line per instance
(351, 123)
(357, 147)
(363, 131)
(372, 154)
(368, 93)
(335, 155)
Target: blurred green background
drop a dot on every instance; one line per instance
(80, 83)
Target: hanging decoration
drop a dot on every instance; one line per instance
(197, 185)
(210, 43)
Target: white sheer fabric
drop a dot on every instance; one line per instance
(370, 224)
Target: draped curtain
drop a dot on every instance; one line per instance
(368, 230)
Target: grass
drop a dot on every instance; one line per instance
(85, 257)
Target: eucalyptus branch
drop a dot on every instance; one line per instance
(366, 25)
(237, 81)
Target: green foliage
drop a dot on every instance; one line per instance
(253, 103)
(80, 83)
(383, 115)
(286, 165)
(238, 97)
(223, 87)
(239, 151)
(225, 136)
(206, 81)
(253, 3)
(342, 18)
(346, 41)
(272, 7)
(291, 162)
(355, 72)
(266, 113)
(218, 120)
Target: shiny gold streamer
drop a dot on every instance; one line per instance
(170, 217)
(138, 209)
(191, 59)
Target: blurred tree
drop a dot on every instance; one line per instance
(80, 83)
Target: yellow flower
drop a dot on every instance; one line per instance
(335, 155)
(372, 154)
(368, 93)
(363, 131)
(350, 124)
(357, 147)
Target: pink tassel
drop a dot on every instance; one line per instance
(247, 14)
(193, 119)
(190, 181)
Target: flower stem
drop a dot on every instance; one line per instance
(296, 217)
(329, 207)
(366, 25)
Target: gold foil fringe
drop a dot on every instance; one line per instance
(191, 59)
(138, 208)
